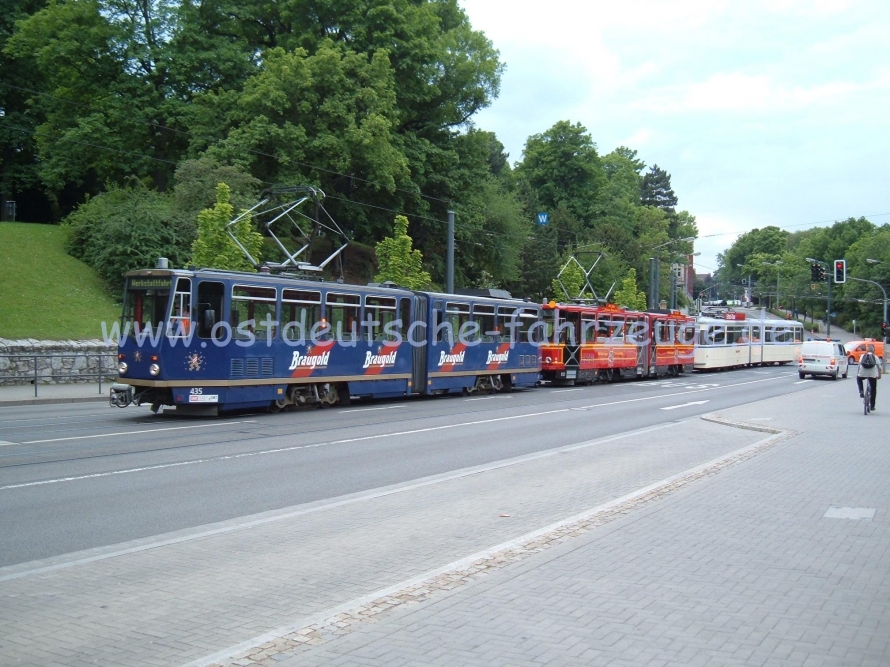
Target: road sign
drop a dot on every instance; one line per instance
(543, 218)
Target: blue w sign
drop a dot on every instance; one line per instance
(543, 218)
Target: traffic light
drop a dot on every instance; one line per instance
(883, 329)
(840, 271)
(814, 273)
(821, 272)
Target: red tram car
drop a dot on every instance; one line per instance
(587, 343)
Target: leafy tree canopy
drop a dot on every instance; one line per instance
(628, 295)
(398, 262)
(563, 168)
(214, 248)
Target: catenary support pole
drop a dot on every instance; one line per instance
(449, 267)
(652, 281)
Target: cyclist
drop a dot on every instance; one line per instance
(870, 368)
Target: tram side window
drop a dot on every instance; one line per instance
(798, 334)
(342, 314)
(636, 331)
(405, 318)
(484, 317)
(210, 300)
(735, 334)
(781, 334)
(505, 315)
(379, 311)
(181, 316)
(616, 334)
(716, 335)
(687, 333)
(300, 311)
(253, 309)
(603, 328)
(527, 319)
(756, 333)
(588, 331)
(456, 315)
(665, 332)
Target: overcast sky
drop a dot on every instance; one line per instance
(764, 113)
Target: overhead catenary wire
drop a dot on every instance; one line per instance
(412, 193)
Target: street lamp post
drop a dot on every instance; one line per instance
(655, 271)
(673, 296)
(881, 287)
(750, 284)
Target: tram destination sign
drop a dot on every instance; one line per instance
(151, 282)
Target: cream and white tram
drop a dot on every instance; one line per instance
(734, 341)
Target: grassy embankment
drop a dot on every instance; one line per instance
(44, 292)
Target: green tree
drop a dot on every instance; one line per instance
(570, 282)
(214, 248)
(398, 262)
(18, 167)
(563, 168)
(125, 229)
(628, 295)
(656, 190)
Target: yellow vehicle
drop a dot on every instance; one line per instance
(857, 348)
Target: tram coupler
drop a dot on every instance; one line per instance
(121, 395)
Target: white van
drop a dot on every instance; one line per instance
(822, 357)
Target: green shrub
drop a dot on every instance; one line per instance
(125, 229)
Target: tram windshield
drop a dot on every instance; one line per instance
(146, 302)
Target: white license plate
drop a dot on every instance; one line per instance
(204, 398)
(571, 375)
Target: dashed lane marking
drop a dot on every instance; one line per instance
(278, 450)
(148, 430)
(684, 405)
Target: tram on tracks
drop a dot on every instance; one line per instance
(602, 343)
(219, 340)
(734, 341)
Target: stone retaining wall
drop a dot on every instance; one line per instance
(58, 361)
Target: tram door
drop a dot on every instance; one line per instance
(419, 338)
(756, 342)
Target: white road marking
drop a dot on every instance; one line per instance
(485, 398)
(148, 430)
(685, 405)
(559, 391)
(360, 439)
(385, 407)
(802, 381)
(3, 443)
(679, 393)
(278, 450)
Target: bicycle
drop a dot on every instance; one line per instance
(866, 397)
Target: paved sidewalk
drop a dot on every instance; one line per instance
(781, 560)
(695, 543)
(82, 392)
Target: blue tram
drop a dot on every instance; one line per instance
(208, 340)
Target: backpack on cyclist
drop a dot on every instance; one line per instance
(867, 360)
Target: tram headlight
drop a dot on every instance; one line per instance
(122, 368)
(547, 360)
(154, 369)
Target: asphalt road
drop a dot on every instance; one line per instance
(74, 477)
